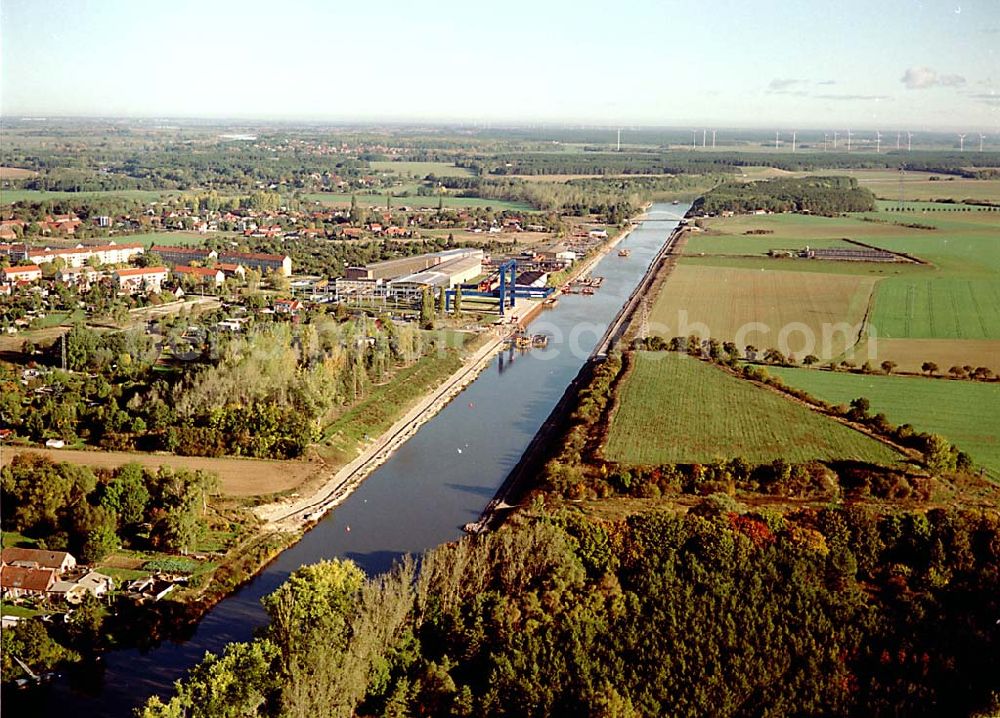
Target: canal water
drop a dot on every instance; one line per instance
(421, 497)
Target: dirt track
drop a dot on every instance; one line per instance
(239, 477)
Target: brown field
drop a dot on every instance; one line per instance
(567, 178)
(726, 301)
(15, 173)
(39, 337)
(239, 477)
(909, 354)
(756, 173)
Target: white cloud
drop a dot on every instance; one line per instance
(921, 77)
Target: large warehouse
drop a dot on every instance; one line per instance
(406, 278)
(441, 276)
(393, 268)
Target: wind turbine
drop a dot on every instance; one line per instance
(826, 139)
(777, 134)
(694, 139)
(619, 139)
(794, 132)
(849, 135)
(909, 140)
(981, 138)
(713, 139)
(961, 142)
(878, 142)
(835, 133)
(897, 139)
(703, 135)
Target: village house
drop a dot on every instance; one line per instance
(14, 252)
(201, 275)
(80, 255)
(232, 270)
(264, 263)
(287, 306)
(182, 255)
(82, 278)
(140, 279)
(60, 561)
(22, 582)
(29, 273)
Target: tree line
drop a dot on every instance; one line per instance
(72, 508)
(818, 195)
(722, 610)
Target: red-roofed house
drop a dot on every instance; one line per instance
(18, 581)
(232, 270)
(204, 275)
(78, 256)
(261, 262)
(61, 561)
(30, 273)
(140, 279)
(287, 306)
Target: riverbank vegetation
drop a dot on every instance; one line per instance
(879, 612)
(264, 394)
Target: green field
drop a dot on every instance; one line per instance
(946, 310)
(938, 308)
(891, 205)
(9, 196)
(796, 312)
(966, 413)
(420, 169)
(698, 244)
(378, 200)
(676, 409)
(171, 239)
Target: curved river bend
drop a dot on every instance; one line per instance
(421, 497)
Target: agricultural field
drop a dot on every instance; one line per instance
(764, 308)
(15, 173)
(342, 199)
(884, 183)
(967, 413)
(673, 408)
(173, 239)
(420, 169)
(759, 245)
(910, 354)
(937, 308)
(946, 311)
(10, 196)
(238, 477)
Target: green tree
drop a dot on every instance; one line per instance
(126, 495)
(426, 309)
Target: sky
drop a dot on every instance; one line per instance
(893, 64)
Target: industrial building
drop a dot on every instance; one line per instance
(440, 276)
(406, 278)
(393, 268)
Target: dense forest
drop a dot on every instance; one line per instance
(721, 611)
(70, 508)
(676, 162)
(819, 195)
(264, 394)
